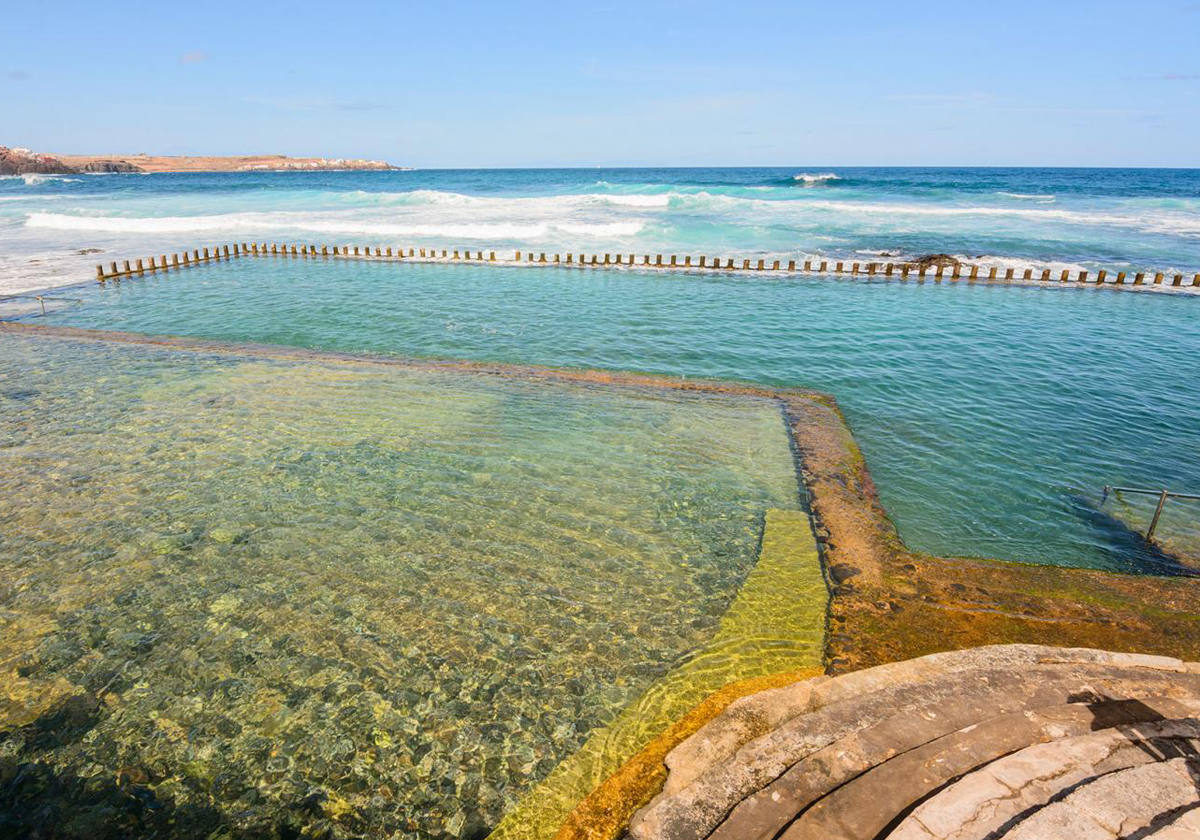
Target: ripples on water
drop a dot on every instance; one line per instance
(991, 416)
(280, 596)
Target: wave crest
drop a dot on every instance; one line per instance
(816, 177)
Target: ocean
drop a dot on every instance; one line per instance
(1056, 218)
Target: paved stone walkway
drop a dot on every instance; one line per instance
(1009, 741)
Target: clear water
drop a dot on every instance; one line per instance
(991, 416)
(281, 596)
(1096, 218)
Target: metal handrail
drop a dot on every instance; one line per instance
(1163, 495)
(41, 299)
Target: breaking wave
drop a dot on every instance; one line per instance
(816, 177)
(249, 222)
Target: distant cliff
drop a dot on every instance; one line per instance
(16, 161)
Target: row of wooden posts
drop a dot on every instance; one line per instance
(903, 270)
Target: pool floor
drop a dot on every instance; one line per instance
(281, 596)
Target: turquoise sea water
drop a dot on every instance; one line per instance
(991, 416)
(1096, 218)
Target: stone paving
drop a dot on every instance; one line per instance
(1017, 741)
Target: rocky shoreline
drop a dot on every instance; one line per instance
(19, 161)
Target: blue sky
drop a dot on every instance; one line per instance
(612, 83)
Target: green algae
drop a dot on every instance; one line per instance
(244, 595)
(775, 624)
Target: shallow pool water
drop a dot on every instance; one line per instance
(268, 596)
(991, 416)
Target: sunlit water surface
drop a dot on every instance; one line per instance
(991, 416)
(274, 597)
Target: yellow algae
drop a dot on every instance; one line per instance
(775, 626)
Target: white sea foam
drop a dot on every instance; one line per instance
(633, 200)
(239, 222)
(1041, 198)
(816, 177)
(32, 179)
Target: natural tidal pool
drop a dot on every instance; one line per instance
(253, 596)
(991, 416)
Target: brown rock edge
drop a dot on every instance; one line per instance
(888, 603)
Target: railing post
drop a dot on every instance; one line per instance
(1162, 500)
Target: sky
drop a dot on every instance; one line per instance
(458, 84)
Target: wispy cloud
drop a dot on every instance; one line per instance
(193, 57)
(17, 75)
(1179, 77)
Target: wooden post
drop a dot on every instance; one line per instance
(871, 269)
(938, 274)
(992, 272)
(1178, 281)
(904, 271)
(974, 271)
(163, 262)
(1139, 278)
(745, 265)
(673, 261)
(702, 258)
(569, 258)
(839, 268)
(775, 265)
(808, 265)
(593, 259)
(491, 256)
(1062, 278)
(824, 265)
(1045, 274)
(607, 258)
(1028, 275)
(1008, 274)
(658, 260)
(175, 260)
(854, 268)
(888, 271)
(791, 264)
(1120, 278)
(921, 271)
(140, 270)
(1196, 280)
(1100, 275)
(955, 271)
(729, 264)
(226, 251)
(1158, 278)
(1083, 276)
(100, 274)
(760, 266)
(687, 261)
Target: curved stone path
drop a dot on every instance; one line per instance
(1009, 741)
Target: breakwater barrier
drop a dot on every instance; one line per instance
(657, 262)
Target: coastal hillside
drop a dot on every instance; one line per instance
(19, 161)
